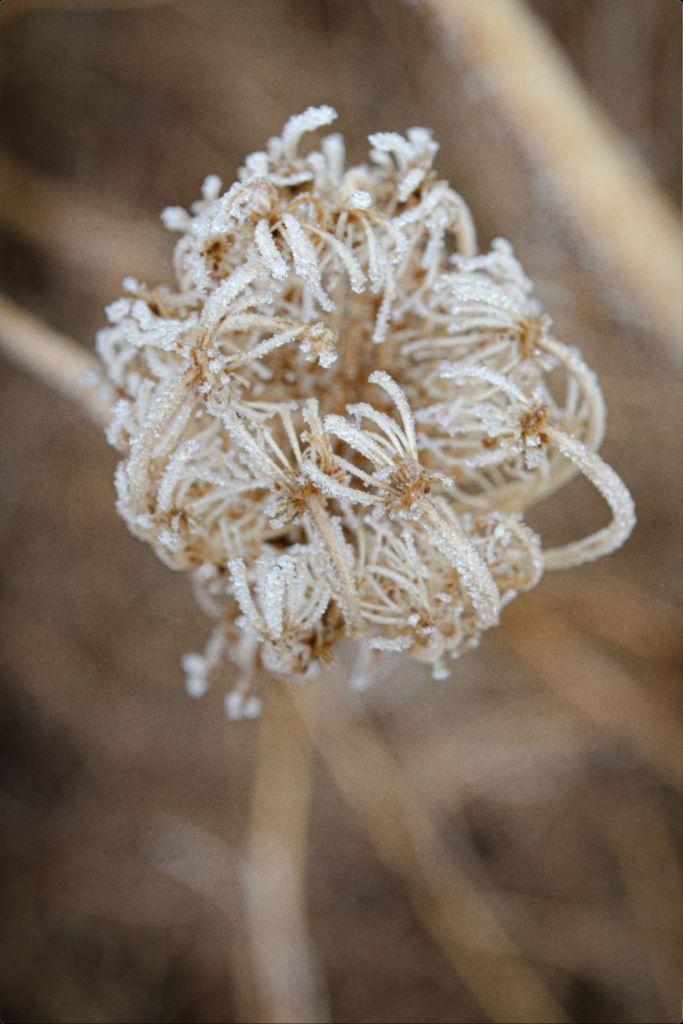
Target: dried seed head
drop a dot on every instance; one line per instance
(338, 414)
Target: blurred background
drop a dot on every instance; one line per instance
(434, 852)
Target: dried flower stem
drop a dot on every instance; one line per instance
(647, 626)
(50, 214)
(53, 358)
(653, 880)
(286, 973)
(606, 190)
(576, 938)
(595, 686)
(450, 907)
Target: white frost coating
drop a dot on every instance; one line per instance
(383, 379)
(196, 686)
(412, 180)
(383, 643)
(269, 252)
(211, 188)
(311, 119)
(338, 414)
(238, 707)
(174, 218)
(305, 260)
(360, 199)
(615, 493)
(219, 302)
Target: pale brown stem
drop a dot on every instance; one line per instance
(449, 905)
(601, 185)
(594, 685)
(207, 863)
(100, 243)
(647, 626)
(651, 871)
(54, 359)
(286, 973)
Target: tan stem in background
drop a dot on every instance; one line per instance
(594, 685)
(602, 186)
(100, 243)
(651, 871)
(449, 905)
(287, 977)
(54, 359)
(647, 626)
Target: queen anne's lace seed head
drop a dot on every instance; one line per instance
(339, 413)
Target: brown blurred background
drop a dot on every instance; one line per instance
(134, 885)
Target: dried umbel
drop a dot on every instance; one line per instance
(338, 415)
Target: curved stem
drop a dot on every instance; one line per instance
(613, 490)
(582, 373)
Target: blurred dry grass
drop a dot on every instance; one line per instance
(152, 856)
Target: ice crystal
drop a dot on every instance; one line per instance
(339, 413)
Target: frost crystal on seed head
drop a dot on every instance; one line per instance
(338, 414)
